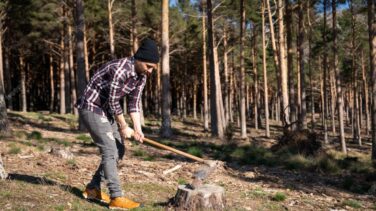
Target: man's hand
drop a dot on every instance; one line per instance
(126, 132)
(138, 135)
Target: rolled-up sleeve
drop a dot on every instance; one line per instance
(134, 97)
(116, 93)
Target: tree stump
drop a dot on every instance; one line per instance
(205, 197)
(3, 174)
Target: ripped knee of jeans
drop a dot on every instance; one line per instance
(110, 135)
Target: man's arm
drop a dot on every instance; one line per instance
(136, 119)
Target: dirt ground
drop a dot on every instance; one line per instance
(41, 180)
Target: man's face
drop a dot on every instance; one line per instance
(144, 68)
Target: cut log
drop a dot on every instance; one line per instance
(205, 197)
(3, 174)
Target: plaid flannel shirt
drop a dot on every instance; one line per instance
(109, 84)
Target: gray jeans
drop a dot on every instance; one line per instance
(105, 134)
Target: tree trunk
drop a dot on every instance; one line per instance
(325, 76)
(255, 75)
(134, 38)
(62, 75)
(274, 45)
(290, 64)
(3, 109)
(205, 197)
(3, 173)
(276, 59)
(52, 85)
(356, 135)
(231, 89)
(205, 80)
(372, 46)
(365, 91)
(72, 72)
(226, 76)
(166, 92)
(216, 104)
(65, 53)
(243, 123)
(195, 99)
(86, 56)
(8, 79)
(80, 53)
(308, 7)
(338, 80)
(266, 100)
(333, 98)
(110, 4)
(302, 123)
(283, 65)
(23, 84)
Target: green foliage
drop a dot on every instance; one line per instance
(196, 151)
(14, 149)
(182, 181)
(71, 162)
(279, 196)
(149, 158)
(36, 135)
(328, 165)
(139, 153)
(298, 162)
(352, 203)
(258, 193)
(85, 138)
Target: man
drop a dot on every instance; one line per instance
(101, 113)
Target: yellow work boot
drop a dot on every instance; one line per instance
(96, 194)
(123, 203)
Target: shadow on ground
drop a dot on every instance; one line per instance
(44, 181)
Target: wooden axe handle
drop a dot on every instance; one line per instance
(157, 144)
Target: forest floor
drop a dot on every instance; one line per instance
(254, 176)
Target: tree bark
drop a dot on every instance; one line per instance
(290, 65)
(204, 69)
(226, 76)
(8, 79)
(62, 109)
(72, 72)
(366, 95)
(52, 85)
(243, 123)
(255, 75)
(372, 46)
(325, 75)
(266, 100)
(110, 4)
(356, 134)
(283, 64)
(23, 84)
(166, 92)
(302, 123)
(65, 54)
(3, 109)
(333, 97)
(3, 173)
(80, 52)
(216, 103)
(338, 80)
(134, 38)
(308, 7)
(205, 197)
(86, 56)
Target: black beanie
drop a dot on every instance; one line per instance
(147, 52)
